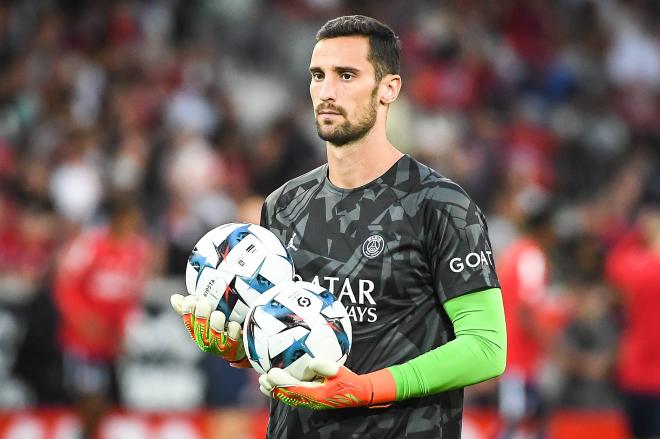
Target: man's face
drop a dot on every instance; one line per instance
(343, 89)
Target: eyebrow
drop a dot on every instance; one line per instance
(355, 70)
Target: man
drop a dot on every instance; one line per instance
(98, 285)
(633, 268)
(523, 269)
(403, 248)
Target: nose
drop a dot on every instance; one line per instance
(328, 91)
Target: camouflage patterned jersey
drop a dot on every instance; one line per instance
(393, 251)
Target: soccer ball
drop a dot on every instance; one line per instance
(293, 323)
(234, 264)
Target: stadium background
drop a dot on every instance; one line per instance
(200, 108)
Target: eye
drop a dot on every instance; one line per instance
(346, 76)
(317, 76)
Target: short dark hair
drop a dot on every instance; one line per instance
(384, 45)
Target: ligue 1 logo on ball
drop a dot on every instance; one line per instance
(373, 246)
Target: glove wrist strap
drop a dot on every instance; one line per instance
(383, 388)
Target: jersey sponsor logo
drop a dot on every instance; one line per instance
(471, 260)
(304, 302)
(373, 246)
(354, 294)
(290, 244)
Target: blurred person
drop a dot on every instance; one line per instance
(633, 267)
(524, 273)
(529, 28)
(587, 349)
(632, 63)
(192, 151)
(448, 79)
(607, 215)
(7, 161)
(479, 162)
(190, 110)
(504, 220)
(98, 286)
(27, 239)
(32, 184)
(36, 238)
(236, 162)
(281, 154)
(128, 166)
(76, 183)
(9, 219)
(186, 222)
(197, 201)
(531, 148)
(38, 358)
(633, 58)
(433, 321)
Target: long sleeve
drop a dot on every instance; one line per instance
(478, 353)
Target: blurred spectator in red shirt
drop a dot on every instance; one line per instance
(98, 285)
(449, 79)
(27, 241)
(531, 148)
(529, 28)
(523, 270)
(633, 266)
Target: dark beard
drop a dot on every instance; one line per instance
(347, 132)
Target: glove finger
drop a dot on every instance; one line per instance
(217, 321)
(227, 346)
(279, 377)
(188, 304)
(203, 335)
(228, 342)
(187, 307)
(188, 323)
(323, 367)
(265, 385)
(234, 330)
(202, 309)
(176, 300)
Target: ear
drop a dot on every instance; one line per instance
(390, 86)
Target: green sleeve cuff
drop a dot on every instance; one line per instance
(478, 353)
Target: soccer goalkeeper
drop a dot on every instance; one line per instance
(405, 249)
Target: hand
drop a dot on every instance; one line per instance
(338, 387)
(207, 329)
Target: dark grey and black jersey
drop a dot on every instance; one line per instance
(392, 251)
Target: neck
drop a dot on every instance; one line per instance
(356, 164)
(119, 233)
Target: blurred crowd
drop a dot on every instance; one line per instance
(546, 112)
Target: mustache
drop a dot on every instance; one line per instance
(330, 107)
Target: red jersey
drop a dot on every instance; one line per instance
(635, 271)
(523, 274)
(98, 284)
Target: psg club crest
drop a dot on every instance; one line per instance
(373, 246)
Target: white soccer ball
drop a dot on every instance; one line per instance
(234, 264)
(293, 323)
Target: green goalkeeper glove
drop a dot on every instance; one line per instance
(207, 329)
(338, 387)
